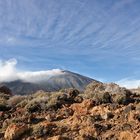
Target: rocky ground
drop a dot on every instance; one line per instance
(101, 112)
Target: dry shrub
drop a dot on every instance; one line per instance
(23, 103)
(41, 93)
(3, 105)
(5, 96)
(36, 104)
(39, 131)
(13, 101)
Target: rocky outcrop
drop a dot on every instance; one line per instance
(108, 93)
(111, 88)
(64, 80)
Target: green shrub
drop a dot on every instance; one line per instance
(102, 97)
(37, 104)
(32, 107)
(122, 98)
(99, 96)
(53, 100)
(73, 92)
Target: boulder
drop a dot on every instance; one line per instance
(42, 129)
(14, 131)
(126, 135)
(112, 88)
(138, 107)
(88, 132)
(137, 137)
(108, 115)
(82, 108)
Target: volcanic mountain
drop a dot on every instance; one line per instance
(56, 82)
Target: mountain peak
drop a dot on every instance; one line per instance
(52, 80)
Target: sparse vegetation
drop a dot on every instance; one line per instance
(3, 105)
(14, 100)
(33, 106)
(102, 97)
(39, 131)
(91, 114)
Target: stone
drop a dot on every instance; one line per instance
(108, 115)
(137, 137)
(59, 138)
(82, 108)
(126, 126)
(138, 107)
(126, 135)
(128, 109)
(14, 131)
(88, 132)
(78, 99)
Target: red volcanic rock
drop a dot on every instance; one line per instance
(82, 108)
(88, 103)
(58, 138)
(126, 135)
(100, 110)
(48, 125)
(137, 137)
(88, 131)
(13, 132)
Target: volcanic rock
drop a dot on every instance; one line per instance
(14, 132)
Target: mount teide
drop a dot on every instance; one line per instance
(54, 83)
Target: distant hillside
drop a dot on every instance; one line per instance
(54, 83)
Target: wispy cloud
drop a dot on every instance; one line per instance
(101, 34)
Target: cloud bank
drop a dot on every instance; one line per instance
(9, 72)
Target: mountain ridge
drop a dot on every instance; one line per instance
(54, 83)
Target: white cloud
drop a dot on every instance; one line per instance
(129, 83)
(9, 72)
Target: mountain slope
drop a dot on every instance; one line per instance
(54, 83)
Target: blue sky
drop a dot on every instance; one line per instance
(97, 38)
